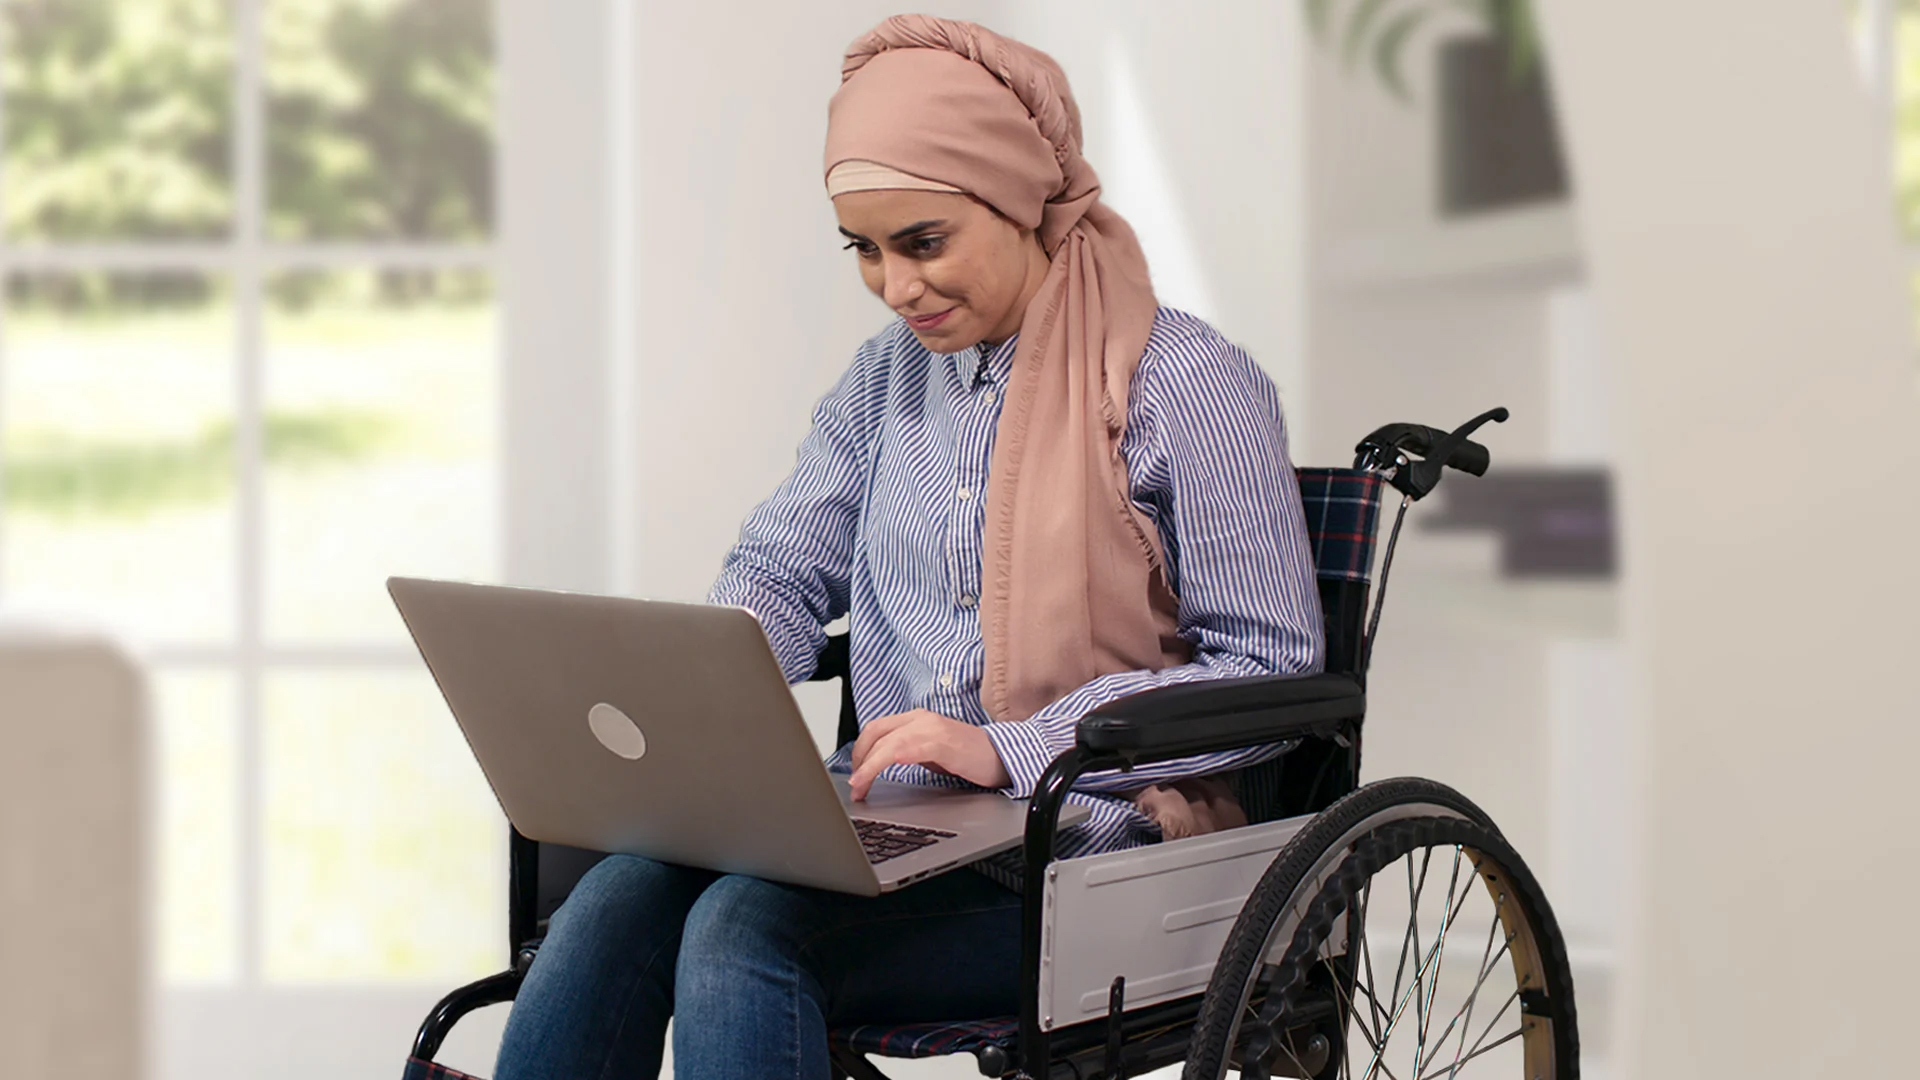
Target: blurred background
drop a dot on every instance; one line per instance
(299, 294)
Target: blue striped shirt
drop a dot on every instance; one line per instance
(881, 520)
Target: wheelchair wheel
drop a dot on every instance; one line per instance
(1397, 937)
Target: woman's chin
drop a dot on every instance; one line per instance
(942, 340)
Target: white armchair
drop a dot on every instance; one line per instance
(74, 828)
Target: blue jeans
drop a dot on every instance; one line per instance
(754, 971)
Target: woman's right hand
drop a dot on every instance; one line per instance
(923, 737)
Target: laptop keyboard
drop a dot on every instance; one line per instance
(885, 840)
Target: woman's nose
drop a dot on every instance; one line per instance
(903, 284)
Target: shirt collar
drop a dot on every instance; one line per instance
(979, 365)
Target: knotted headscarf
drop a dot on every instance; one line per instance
(1074, 582)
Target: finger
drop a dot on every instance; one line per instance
(873, 732)
(884, 753)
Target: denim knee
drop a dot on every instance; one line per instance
(619, 892)
(601, 988)
(740, 923)
(738, 912)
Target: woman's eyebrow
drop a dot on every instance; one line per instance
(918, 226)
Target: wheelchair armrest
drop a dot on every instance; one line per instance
(1222, 714)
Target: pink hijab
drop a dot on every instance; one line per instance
(1075, 584)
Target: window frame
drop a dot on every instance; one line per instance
(562, 397)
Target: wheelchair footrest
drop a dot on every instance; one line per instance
(420, 1069)
(926, 1040)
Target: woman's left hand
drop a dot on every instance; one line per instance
(920, 737)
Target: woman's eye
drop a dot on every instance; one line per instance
(928, 245)
(862, 249)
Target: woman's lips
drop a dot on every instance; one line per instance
(928, 322)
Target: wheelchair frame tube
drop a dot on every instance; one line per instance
(523, 893)
(1043, 825)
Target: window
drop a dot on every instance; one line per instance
(248, 369)
(1887, 36)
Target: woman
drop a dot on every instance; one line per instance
(1034, 492)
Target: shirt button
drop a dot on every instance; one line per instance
(965, 493)
(946, 680)
(966, 600)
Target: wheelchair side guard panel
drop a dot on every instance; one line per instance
(1158, 915)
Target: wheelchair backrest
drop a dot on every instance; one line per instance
(1342, 507)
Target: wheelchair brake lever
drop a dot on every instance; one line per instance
(1423, 476)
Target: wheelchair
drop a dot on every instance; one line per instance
(1317, 941)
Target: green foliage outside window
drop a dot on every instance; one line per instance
(118, 119)
(119, 126)
(380, 118)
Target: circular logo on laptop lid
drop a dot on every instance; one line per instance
(616, 731)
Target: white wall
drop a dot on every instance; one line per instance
(744, 307)
(1734, 209)
(555, 161)
(1193, 116)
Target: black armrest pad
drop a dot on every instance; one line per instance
(1223, 714)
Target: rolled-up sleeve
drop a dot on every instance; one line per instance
(1207, 454)
(794, 560)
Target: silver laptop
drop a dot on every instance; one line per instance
(667, 730)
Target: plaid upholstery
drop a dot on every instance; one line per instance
(427, 1070)
(926, 1040)
(1343, 509)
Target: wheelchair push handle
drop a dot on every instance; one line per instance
(1436, 449)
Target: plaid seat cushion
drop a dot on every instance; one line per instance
(1342, 508)
(926, 1040)
(418, 1069)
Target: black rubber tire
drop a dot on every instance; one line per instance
(1313, 880)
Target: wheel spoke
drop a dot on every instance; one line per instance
(1373, 1043)
(1377, 1047)
(1413, 920)
(1410, 939)
(1488, 958)
(1346, 1059)
(1366, 895)
(1476, 1051)
(1502, 1040)
(1440, 946)
(1400, 1004)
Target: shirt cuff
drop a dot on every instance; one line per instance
(1024, 750)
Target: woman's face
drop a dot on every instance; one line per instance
(958, 272)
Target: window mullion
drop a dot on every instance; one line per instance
(248, 164)
(5, 281)
(1883, 61)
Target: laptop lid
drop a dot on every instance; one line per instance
(636, 726)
